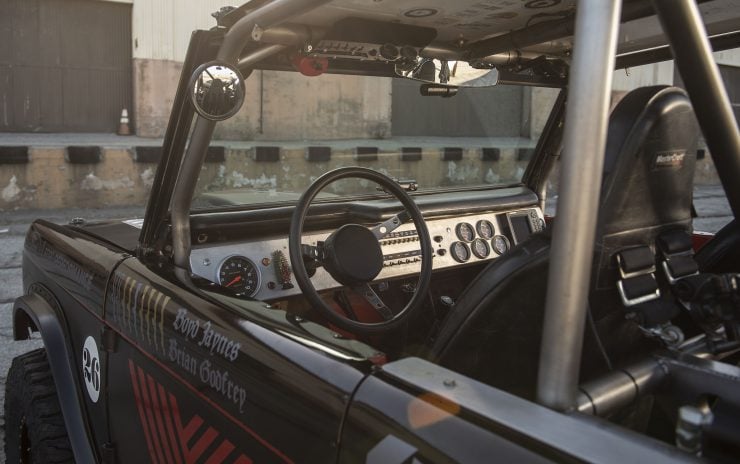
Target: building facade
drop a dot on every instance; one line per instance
(74, 65)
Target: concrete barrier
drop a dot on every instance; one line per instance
(55, 177)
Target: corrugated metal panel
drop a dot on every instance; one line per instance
(162, 28)
(65, 65)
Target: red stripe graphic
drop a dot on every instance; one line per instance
(157, 410)
(140, 407)
(221, 453)
(162, 424)
(200, 446)
(168, 423)
(150, 415)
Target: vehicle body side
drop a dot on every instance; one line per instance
(279, 399)
(190, 372)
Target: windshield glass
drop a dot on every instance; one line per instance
(293, 128)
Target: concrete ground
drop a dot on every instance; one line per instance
(709, 201)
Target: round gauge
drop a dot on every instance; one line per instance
(500, 244)
(485, 229)
(239, 274)
(460, 252)
(465, 232)
(480, 248)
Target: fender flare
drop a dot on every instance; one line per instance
(36, 311)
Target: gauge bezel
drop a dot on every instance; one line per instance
(467, 249)
(481, 234)
(257, 271)
(508, 244)
(459, 236)
(485, 243)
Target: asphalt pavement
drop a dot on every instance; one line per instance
(709, 201)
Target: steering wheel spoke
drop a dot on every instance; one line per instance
(312, 253)
(386, 227)
(369, 294)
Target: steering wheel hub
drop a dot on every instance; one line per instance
(352, 255)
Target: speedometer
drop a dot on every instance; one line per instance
(239, 274)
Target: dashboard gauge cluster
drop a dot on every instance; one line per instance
(479, 241)
(260, 266)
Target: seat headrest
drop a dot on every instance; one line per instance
(650, 159)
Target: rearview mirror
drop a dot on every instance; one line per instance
(451, 73)
(217, 90)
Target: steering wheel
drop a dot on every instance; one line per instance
(352, 254)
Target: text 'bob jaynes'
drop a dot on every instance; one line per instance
(207, 337)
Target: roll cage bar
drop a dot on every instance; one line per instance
(595, 28)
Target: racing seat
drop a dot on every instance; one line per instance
(493, 331)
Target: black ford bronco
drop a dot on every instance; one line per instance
(409, 305)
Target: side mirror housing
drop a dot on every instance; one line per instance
(217, 90)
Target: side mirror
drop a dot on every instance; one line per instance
(217, 90)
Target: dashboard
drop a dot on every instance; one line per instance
(261, 268)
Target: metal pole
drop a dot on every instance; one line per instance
(584, 141)
(235, 39)
(682, 24)
(247, 62)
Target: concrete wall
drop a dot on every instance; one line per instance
(155, 84)
(278, 106)
(292, 106)
(540, 101)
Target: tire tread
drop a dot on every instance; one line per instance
(30, 393)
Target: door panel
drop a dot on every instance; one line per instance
(415, 411)
(209, 382)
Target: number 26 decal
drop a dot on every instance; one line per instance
(91, 368)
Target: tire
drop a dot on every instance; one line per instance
(34, 425)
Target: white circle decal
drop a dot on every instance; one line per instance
(91, 368)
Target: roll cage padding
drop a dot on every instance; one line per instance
(42, 316)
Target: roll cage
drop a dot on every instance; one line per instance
(249, 35)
